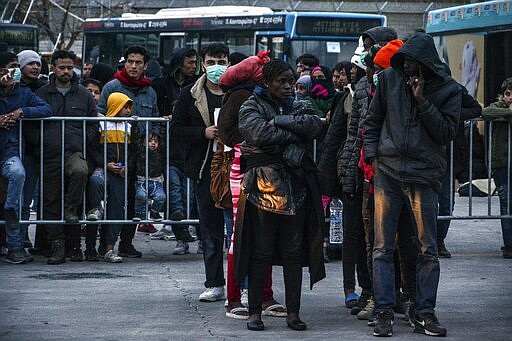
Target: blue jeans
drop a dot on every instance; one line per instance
(421, 201)
(177, 183)
(96, 189)
(154, 191)
(501, 176)
(13, 170)
(31, 178)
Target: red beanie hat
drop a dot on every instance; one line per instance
(383, 57)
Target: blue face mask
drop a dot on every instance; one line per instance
(214, 72)
(16, 75)
(375, 79)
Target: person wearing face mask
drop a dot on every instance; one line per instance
(302, 87)
(194, 123)
(30, 66)
(15, 103)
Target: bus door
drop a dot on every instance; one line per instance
(168, 42)
(275, 43)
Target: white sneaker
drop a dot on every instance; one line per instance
(111, 257)
(245, 297)
(212, 294)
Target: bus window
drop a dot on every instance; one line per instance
(168, 42)
(273, 43)
(241, 42)
(322, 49)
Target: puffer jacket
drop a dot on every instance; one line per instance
(269, 187)
(348, 157)
(77, 102)
(408, 139)
(499, 136)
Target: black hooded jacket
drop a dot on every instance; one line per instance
(380, 34)
(167, 89)
(408, 139)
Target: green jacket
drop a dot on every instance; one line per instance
(499, 137)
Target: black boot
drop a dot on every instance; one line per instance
(58, 253)
(442, 251)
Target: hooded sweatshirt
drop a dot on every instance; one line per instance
(113, 133)
(409, 139)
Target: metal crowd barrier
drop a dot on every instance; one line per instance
(147, 123)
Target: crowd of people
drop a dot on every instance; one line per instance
(239, 137)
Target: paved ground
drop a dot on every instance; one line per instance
(155, 297)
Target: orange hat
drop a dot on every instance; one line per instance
(383, 57)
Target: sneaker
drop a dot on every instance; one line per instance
(442, 251)
(77, 255)
(137, 216)
(428, 324)
(507, 252)
(367, 311)
(212, 294)
(361, 303)
(91, 255)
(177, 215)
(163, 234)
(94, 214)
(111, 257)
(146, 228)
(70, 217)
(181, 248)
(244, 298)
(155, 216)
(372, 320)
(16, 256)
(28, 256)
(199, 247)
(384, 324)
(129, 251)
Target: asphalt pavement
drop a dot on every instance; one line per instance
(156, 297)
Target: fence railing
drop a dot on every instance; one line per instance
(147, 125)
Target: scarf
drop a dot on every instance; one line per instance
(123, 77)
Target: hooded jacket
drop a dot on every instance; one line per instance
(32, 106)
(167, 89)
(408, 139)
(77, 102)
(112, 133)
(348, 158)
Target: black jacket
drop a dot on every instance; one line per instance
(168, 90)
(77, 102)
(408, 139)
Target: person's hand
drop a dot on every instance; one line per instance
(115, 168)
(417, 83)
(8, 120)
(212, 132)
(6, 80)
(375, 166)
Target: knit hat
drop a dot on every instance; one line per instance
(26, 57)
(383, 57)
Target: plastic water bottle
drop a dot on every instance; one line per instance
(336, 221)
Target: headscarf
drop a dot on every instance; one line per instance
(322, 91)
